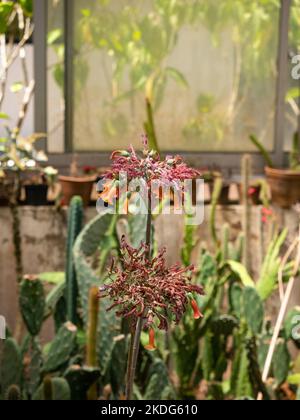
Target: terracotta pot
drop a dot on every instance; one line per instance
(284, 185)
(72, 186)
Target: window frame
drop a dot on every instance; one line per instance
(229, 162)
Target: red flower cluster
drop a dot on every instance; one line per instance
(149, 167)
(148, 288)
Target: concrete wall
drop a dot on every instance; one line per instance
(43, 244)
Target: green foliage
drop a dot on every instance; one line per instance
(61, 348)
(262, 150)
(253, 309)
(75, 219)
(281, 362)
(32, 304)
(269, 273)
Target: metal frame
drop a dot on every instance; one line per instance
(227, 161)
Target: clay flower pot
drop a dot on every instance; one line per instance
(81, 186)
(284, 185)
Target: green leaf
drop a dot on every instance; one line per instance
(242, 273)
(53, 278)
(292, 93)
(27, 6)
(5, 11)
(16, 87)
(4, 116)
(54, 36)
(294, 379)
(281, 362)
(177, 76)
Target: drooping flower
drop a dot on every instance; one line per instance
(146, 288)
(196, 310)
(151, 346)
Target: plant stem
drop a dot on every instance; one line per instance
(136, 335)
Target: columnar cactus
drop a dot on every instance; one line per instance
(75, 219)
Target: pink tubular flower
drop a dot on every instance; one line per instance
(147, 288)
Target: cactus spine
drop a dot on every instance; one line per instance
(92, 337)
(246, 178)
(75, 219)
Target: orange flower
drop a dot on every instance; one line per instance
(197, 313)
(151, 346)
(109, 193)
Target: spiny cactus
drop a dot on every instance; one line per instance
(254, 369)
(80, 380)
(253, 309)
(281, 362)
(292, 325)
(224, 325)
(13, 393)
(32, 304)
(61, 348)
(246, 180)
(75, 220)
(11, 365)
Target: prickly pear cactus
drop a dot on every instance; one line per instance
(32, 304)
(224, 325)
(292, 325)
(236, 299)
(75, 220)
(10, 366)
(80, 379)
(53, 389)
(281, 362)
(61, 348)
(253, 309)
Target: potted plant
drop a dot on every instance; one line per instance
(284, 183)
(36, 188)
(78, 183)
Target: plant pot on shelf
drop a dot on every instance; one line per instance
(81, 186)
(284, 185)
(36, 195)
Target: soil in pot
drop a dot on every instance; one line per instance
(36, 195)
(73, 186)
(284, 185)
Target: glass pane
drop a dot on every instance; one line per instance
(209, 67)
(55, 74)
(292, 119)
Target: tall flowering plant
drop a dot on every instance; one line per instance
(145, 290)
